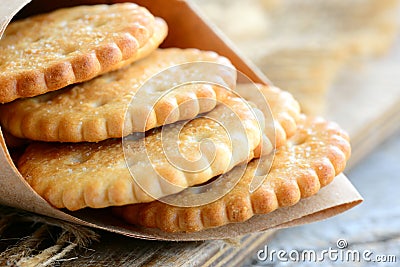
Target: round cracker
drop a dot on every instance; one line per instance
(50, 51)
(95, 110)
(310, 160)
(95, 175)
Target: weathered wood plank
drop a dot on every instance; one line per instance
(116, 250)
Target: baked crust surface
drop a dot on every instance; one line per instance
(50, 51)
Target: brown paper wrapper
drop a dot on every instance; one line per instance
(187, 28)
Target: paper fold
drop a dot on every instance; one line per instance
(187, 29)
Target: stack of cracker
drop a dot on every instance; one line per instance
(166, 137)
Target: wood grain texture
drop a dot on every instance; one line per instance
(116, 250)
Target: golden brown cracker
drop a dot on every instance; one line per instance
(50, 51)
(98, 109)
(310, 160)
